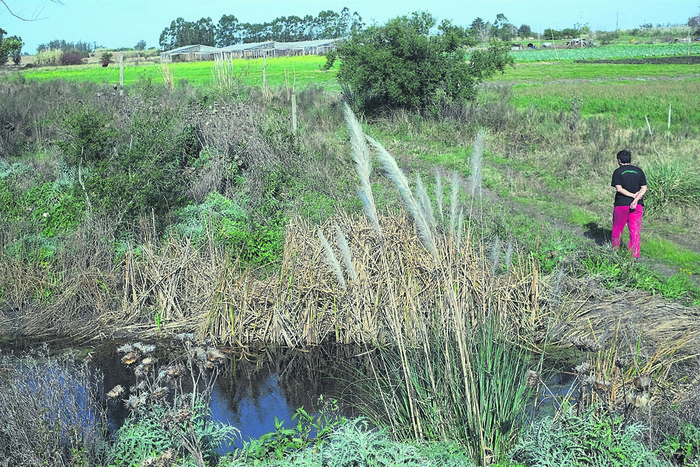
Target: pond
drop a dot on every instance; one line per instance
(252, 390)
(256, 387)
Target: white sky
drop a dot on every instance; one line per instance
(123, 23)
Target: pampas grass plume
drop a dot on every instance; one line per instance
(332, 260)
(345, 252)
(363, 166)
(401, 183)
(477, 162)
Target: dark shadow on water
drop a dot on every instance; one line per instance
(254, 389)
(597, 233)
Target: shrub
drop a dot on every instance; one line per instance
(400, 65)
(48, 57)
(71, 58)
(582, 441)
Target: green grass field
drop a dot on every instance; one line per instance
(292, 71)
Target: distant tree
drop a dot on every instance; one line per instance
(403, 65)
(82, 48)
(10, 47)
(13, 46)
(503, 29)
(3, 53)
(694, 23)
(524, 31)
(569, 33)
(140, 45)
(481, 30)
(181, 33)
(551, 34)
(228, 31)
(327, 25)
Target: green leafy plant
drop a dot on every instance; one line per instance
(589, 439)
(310, 430)
(684, 447)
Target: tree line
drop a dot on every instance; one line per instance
(229, 30)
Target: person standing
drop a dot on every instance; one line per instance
(630, 184)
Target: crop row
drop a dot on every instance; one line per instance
(606, 52)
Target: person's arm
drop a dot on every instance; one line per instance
(625, 192)
(638, 196)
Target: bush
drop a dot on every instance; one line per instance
(71, 58)
(400, 65)
(671, 182)
(569, 440)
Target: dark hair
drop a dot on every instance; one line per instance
(624, 156)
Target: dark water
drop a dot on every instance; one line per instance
(256, 387)
(253, 388)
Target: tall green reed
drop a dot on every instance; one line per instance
(454, 366)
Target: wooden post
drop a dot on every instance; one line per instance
(294, 114)
(121, 73)
(264, 78)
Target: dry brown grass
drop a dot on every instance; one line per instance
(199, 288)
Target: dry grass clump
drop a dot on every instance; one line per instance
(50, 412)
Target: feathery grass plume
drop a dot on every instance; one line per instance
(332, 260)
(424, 203)
(345, 252)
(363, 166)
(460, 223)
(438, 195)
(557, 286)
(454, 202)
(495, 255)
(401, 182)
(477, 162)
(509, 256)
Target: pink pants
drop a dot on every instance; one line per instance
(621, 217)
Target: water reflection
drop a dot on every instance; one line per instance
(253, 389)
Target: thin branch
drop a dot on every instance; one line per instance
(36, 17)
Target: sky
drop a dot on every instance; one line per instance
(123, 23)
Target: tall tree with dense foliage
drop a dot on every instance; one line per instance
(403, 65)
(229, 30)
(181, 33)
(10, 47)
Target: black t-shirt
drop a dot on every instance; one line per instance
(632, 179)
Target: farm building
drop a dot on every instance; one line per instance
(252, 50)
(190, 53)
(281, 49)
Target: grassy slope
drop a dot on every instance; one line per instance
(627, 95)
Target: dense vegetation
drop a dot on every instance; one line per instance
(402, 66)
(277, 216)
